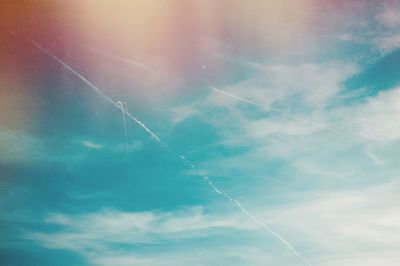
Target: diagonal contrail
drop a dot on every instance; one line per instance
(206, 179)
(276, 110)
(129, 61)
(102, 94)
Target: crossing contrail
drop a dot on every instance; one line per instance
(129, 61)
(276, 110)
(205, 178)
(97, 90)
(123, 107)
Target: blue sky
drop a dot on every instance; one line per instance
(306, 139)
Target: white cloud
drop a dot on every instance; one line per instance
(179, 114)
(122, 260)
(356, 226)
(349, 227)
(301, 90)
(373, 156)
(213, 255)
(107, 227)
(315, 83)
(388, 37)
(91, 145)
(20, 147)
(97, 236)
(381, 33)
(347, 37)
(122, 147)
(378, 119)
(368, 132)
(343, 227)
(388, 43)
(307, 146)
(390, 16)
(23, 147)
(119, 147)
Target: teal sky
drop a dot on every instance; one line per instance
(305, 137)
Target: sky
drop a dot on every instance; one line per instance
(176, 132)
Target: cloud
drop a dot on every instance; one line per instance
(309, 149)
(350, 227)
(90, 145)
(373, 156)
(344, 227)
(390, 16)
(387, 38)
(389, 43)
(214, 255)
(378, 118)
(306, 169)
(23, 147)
(119, 147)
(271, 84)
(132, 146)
(301, 90)
(18, 146)
(380, 33)
(107, 227)
(111, 237)
(179, 114)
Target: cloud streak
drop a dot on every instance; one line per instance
(91, 145)
(129, 61)
(268, 108)
(97, 230)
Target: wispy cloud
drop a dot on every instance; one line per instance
(344, 227)
(388, 43)
(125, 60)
(358, 226)
(110, 147)
(103, 231)
(274, 83)
(111, 226)
(20, 147)
(91, 145)
(378, 28)
(377, 118)
(390, 15)
(23, 147)
(180, 113)
(340, 222)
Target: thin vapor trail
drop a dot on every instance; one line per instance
(206, 179)
(276, 110)
(129, 61)
(124, 106)
(97, 90)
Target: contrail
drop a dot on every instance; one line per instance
(102, 94)
(276, 110)
(257, 221)
(206, 179)
(123, 106)
(114, 57)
